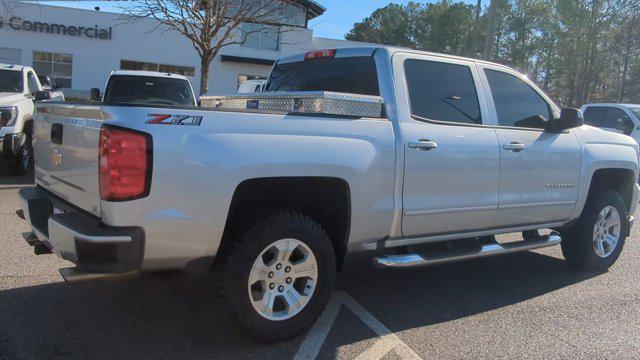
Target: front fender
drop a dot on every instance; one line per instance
(599, 156)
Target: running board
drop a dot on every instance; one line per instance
(416, 259)
(73, 275)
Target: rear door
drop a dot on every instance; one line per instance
(451, 158)
(539, 170)
(66, 153)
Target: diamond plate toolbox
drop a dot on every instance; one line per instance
(306, 102)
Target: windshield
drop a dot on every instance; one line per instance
(11, 81)
(148, 90)
(636, 112)
(354, 75)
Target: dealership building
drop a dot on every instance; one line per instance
(79, 48)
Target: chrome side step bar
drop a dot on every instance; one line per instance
(73, 275)
(416, 259)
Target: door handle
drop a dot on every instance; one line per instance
(56, 133)
(514, 147)
(424, 145)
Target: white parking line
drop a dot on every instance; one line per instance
(386, 342)
(316, 336)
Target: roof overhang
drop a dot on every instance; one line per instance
(313, 8)
(247, 60)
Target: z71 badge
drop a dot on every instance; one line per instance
(165, 119)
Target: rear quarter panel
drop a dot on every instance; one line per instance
(197, 169)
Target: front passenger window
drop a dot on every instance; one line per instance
(617, 119)
(517, 104)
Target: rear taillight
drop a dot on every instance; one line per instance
(318, 54)
(124, 164)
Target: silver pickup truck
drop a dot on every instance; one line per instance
(418, 158)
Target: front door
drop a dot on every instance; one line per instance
(451, 159)
(539, 170)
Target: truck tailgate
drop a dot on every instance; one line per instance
(66, 142)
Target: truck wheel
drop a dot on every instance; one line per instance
(596, 240)
(277, 276)
(24, 158)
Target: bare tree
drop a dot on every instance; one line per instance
(491, 29)
(211, 25)
(476, 28)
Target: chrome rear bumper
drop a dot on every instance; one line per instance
(79, 237)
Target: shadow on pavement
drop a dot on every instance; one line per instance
(432, 295)
(174, 315)
(8, 177)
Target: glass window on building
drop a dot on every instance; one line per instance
(145, 66)
(57, 65)
(10, 56)
(258, 36)
(295, 15)
(275, 12)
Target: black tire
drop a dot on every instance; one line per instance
(237, 259)
(530, 235)
(24, 158)
(578, 241)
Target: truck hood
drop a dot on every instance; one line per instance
(7, 98)
(593, 135)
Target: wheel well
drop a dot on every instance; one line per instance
(325, 199)
(620, 180)
(28, 127)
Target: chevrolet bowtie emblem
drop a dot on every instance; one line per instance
(56, 158)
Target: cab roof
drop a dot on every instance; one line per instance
(148, 73)
(11, 67)
(613, 105)
(369, 50)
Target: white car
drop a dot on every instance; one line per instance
(251, 86)
(19, 87)
(621, 118)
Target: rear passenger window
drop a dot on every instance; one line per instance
(594, 116)
(442, 92)
(517, 104)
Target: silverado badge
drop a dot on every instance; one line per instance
(56, 158)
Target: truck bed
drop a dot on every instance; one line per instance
(201, 156)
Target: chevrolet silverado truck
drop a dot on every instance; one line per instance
(19, 88)
(417, 158)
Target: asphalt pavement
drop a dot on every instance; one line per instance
(529, 305)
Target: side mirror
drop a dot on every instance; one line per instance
(94, 95)
(569, 118)
(42, 95)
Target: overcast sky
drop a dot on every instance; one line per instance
(335, 23)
